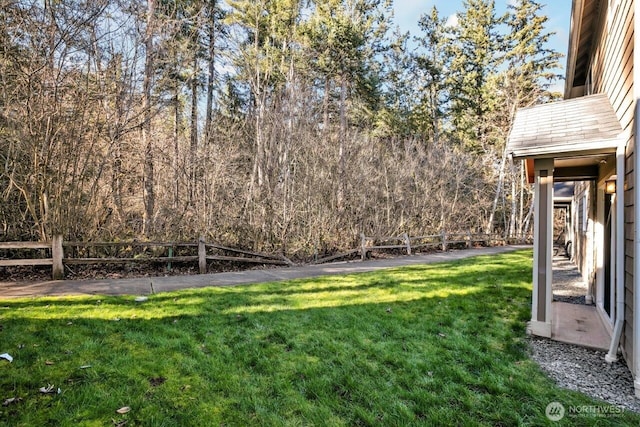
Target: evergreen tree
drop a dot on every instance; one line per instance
(530, 63)
(473, 66)
(431, 65)
(263, 62)
(342, 38)
(215, 31)
(393, 120)
(525, 81)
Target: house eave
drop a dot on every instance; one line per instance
(577, 7)
(566, 151)
(585, 16)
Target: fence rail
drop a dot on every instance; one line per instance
(443, 240)
(87, 253)
(60, 253)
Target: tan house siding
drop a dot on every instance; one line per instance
(583, 231)
(611, 72)
(612, 61)
(627, 337)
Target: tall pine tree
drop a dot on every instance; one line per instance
(430, 67)
(474, 64)
(530, 63)
(525, 80)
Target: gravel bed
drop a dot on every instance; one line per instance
(567, 282)
(571, 299)
(579, 368)
(585, 370)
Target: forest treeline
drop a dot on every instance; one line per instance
(282, 125)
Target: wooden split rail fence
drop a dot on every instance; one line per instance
(441, 241)
(409, 244)
(59, 253)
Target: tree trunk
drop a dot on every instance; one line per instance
(176, 147)
(325, 104)
(148, 173)
(527, 220)
(434, 115)
(256, 181)
(116, 178)
(341, 149)
(193, 151)
(115, 131)
(435, 104)
(212, 70)
(494, 206)
(489, 227)
(514, 204)
(522, 184)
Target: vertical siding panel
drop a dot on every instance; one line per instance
(612, 73)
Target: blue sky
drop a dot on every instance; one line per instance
(407, 13)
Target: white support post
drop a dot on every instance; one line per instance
(542, 250)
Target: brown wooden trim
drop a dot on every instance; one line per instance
(576, 173)
(530, 170)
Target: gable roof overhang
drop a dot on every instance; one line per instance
(578, 133)
(584, 19)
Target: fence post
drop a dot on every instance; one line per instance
(468, 239)
(444, 241)
(202, 255)
(57, 254)
(170, 256)
(407, 242)
(363, 247)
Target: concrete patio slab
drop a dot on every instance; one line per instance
(578, 324)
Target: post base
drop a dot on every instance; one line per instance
(540, 329)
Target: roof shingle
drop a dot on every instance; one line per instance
(563, 128)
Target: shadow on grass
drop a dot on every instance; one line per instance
(432, 345)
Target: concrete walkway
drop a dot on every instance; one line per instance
(143, 286)
(578, 324)
(573, 322)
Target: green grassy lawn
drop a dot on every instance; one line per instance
(441, 344)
